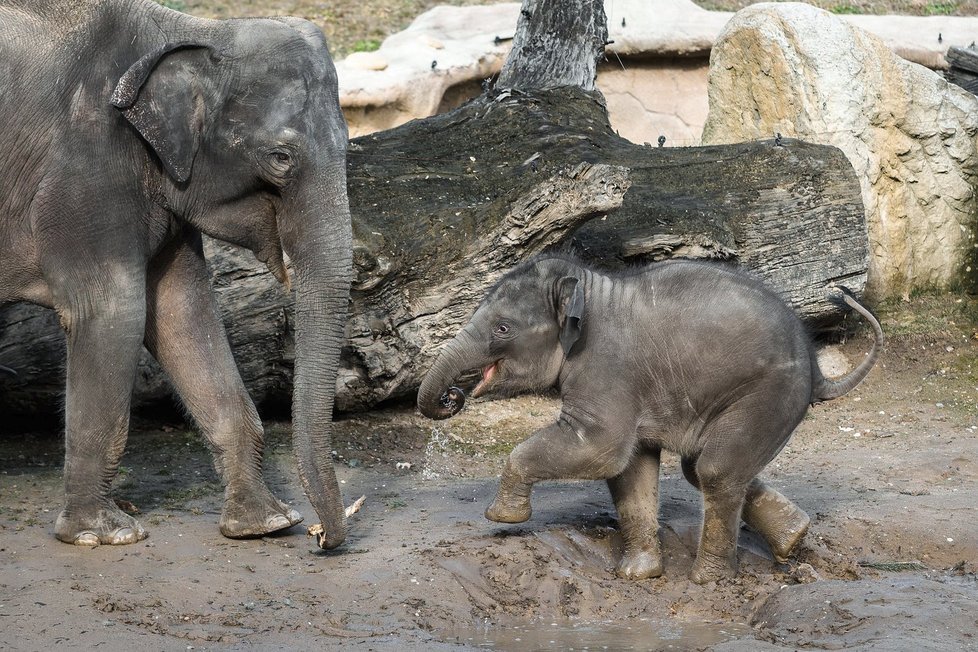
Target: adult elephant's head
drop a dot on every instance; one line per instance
(249, 145)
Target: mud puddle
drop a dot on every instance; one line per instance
(643, 634)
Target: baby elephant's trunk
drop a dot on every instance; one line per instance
(438, 398)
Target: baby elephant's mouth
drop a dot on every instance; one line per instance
(488, 373)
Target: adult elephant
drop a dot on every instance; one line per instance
(128, 130)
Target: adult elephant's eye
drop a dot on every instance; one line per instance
(281, 159)
(278, 165)
(502, 329)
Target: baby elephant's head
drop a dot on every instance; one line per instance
(519, 337)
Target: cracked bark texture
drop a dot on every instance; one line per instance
(444, 206)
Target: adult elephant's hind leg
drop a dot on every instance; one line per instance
(104, 337)
(635, 492)
(185, 334)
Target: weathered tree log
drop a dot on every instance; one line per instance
(443, 206)
(963, 67)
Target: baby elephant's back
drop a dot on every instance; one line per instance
(721, 322)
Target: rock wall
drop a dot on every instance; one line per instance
(797, 70)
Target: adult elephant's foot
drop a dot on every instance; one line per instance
(639, 564)
(255, 514)
(105, 524)
(708, 567)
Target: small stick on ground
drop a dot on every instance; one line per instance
(355, 507)
(317, 529)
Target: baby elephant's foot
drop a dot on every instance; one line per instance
(639, 564)
(784, 538)
(255, 514)
(509, 509)
(782, 523)
(710, 568)
(106, 524)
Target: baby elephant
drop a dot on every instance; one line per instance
(691, 357)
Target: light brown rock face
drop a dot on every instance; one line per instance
(793, 69)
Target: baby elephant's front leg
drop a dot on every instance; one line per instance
(512, 502)
(559, 451)
(636, 495)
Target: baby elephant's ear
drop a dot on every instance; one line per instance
(570, 310)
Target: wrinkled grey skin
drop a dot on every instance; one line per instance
(129, 130)
(685, 356)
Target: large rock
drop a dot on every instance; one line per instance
(793, 69)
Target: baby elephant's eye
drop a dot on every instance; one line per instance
(502, 329)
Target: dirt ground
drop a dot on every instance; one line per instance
(887, 474)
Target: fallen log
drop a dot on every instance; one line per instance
(444, 206)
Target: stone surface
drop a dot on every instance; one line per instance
(833, 362)
(797, 70)
(445, 50)
(648, 98)
(654, 77)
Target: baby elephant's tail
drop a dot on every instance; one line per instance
(825, 388)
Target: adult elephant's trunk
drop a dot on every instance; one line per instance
(316, 235)
(437, 397)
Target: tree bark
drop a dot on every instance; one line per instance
(443, 206)
(556, 44)
(963, 67)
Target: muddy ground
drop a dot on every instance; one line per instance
(887, 474)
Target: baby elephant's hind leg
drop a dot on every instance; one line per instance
(781, 522)
(773, 515)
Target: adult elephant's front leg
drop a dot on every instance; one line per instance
(185, 334)
(103, 321)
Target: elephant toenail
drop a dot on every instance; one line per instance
(87, 539)
(294, 517)
(124, 535)
(278, 522)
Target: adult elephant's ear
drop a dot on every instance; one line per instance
(156, 95)
(570, 310)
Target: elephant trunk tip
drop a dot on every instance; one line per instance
(327, 539)
(450, 403)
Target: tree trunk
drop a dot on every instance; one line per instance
(443, 206)
(556, 44)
